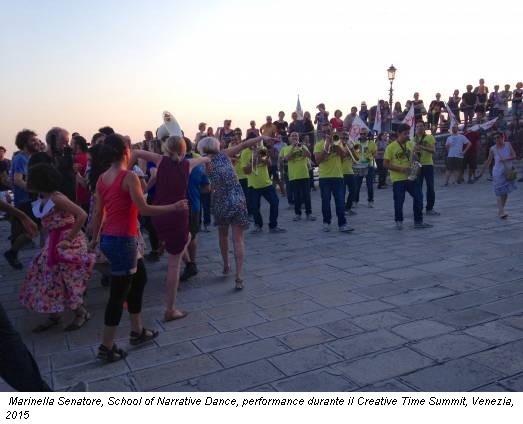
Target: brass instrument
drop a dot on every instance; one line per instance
(260, 151)
(335, 141)
(415, 164)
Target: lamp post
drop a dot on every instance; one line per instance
(391, 73)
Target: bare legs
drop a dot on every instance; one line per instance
(172, 281)
(239, 249)
(502, 201)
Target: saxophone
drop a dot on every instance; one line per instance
(415, 164)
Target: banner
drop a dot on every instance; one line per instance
(357, 125)
(377, 119)
(485, 126)
(452, 117)
(410, 120)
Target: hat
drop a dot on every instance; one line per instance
(320, 105)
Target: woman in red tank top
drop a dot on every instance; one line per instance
(119, 199)
(173, 228)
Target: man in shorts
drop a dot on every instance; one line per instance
(457, 146)
(198, 183)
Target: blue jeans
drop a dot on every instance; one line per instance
(301, 192)
(17, 366)
(350, 184)
(205, 198)
(336, 188)
(288, 190)
(370, 185)
(399, 188)
(269, 194)
(427, 175)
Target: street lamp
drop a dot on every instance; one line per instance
(391, 73)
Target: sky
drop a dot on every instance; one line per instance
(85, 64)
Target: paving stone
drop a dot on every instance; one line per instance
(387, 386)
(89, 372)
(123, 383)
(239, 321)
(231, 309)
(450, 346)
(403, 274)
(514, 321)
(290, 309)
(224, 340)
(506, 306)
(385, 319)
(306, 359)
(422, 329)
(160, 355)
(383, 366)
(339, 299)
(184, 386)
(421, 311)
(363, 344)
(275, 328)
(454, 376)
(71, 358)
(507, 359)
(514, 383)
(382, 290)
(366, 308)
(307, 337)
(264, 388)
(279, 299)
(250, 352)
(174, 372)
(494, 387)
(466, 300)
(466, 318)
(418, 296)
(341, 329)
(316, 381)
(183, 334)
(320, 317)
(495, 332)
(240, 378)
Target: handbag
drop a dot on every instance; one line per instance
(510, 173)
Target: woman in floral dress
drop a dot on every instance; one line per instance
(229, 204)
(58, 275)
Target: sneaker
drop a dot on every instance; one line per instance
(432, 212)
(190, 271)
(345, 229)
(12, 258)
(256, 230)
(152, 256)
(311, 218)
(296, 218)
(371, 204)
(421, 225)
(277, 230)
(399, 225)
(326, 227)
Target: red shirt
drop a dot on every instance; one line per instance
(473, 137)
(82, 194)
(337, 124)
(121, 214)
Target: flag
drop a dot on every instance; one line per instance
(485, 126)
(410, 120)
(298, 110)
(452, 117)
(357, 125)
(377, 119)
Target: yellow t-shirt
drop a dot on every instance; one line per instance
(346, 166)
(238, 168)
(330, 167)
(261, 180)
(268, 130)
(297, 166)
(368, 151)
(426, 157)
(398, 156)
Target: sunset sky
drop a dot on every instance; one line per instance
(85, 64)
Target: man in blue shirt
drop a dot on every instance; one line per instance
(198, 183)
(27, 143)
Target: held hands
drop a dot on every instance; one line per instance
(180, 205)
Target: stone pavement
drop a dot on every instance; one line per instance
(376, 310)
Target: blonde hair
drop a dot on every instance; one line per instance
(174, 147)
(209, 145)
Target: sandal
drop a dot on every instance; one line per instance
(110, 355)
(79, 321)
(239, 284)
(145, 336)
(52, 321)
(171, 316)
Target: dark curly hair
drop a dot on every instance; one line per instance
(43, 178)
(23, 137)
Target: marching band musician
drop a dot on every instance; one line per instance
(328, 155)
(348, 173)
(297, 156)
(368, 151)
(426, 144)
(255, 163)
(397, 160)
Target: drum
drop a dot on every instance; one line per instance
(360, 169)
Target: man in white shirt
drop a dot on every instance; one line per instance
(455, 152)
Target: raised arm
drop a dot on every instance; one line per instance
(193, 163)
(234, 150)
(146, 156)
(27, 223)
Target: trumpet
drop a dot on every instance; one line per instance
(259, 152)
(335, 141)
(415, 164)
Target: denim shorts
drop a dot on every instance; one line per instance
(122, 254)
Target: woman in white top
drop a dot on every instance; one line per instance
(503, 173)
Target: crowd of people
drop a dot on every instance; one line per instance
(90, 202)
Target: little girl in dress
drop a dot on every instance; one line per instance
(58, 275)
